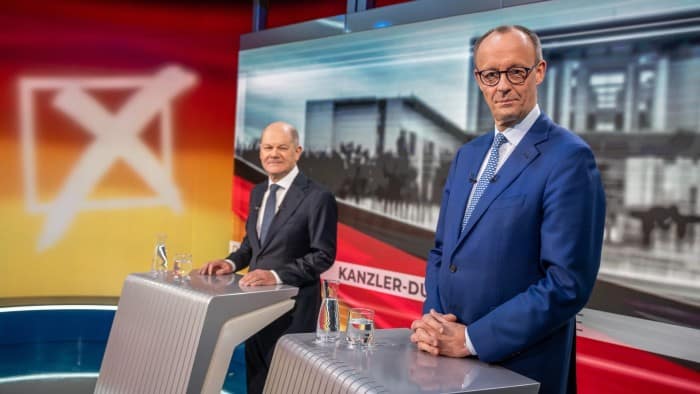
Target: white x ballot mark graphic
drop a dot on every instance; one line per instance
(116, 136)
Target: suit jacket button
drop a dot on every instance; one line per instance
(453, 268)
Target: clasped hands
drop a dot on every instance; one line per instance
(440, 334)
(252, 278)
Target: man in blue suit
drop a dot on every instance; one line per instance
(519, 237)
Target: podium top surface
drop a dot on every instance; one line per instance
(392, 365)
(210, 286)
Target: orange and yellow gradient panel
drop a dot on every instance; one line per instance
(117, 125)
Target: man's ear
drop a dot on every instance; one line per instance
(540, 72)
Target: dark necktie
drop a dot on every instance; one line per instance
(485, 179)
(269, 213)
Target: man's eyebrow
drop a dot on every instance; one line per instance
(279, 145)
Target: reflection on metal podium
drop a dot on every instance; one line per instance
(392, 365)
(178, 336)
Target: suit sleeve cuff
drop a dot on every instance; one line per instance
(468, 342)
(277, 277)
(232, 264)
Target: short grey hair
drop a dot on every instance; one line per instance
(295, 134)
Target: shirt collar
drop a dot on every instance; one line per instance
(286, 181)
(516, 133)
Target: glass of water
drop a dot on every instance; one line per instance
(360, 332)
(182, 265)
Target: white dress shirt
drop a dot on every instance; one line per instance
(284, 184)
(513, 137)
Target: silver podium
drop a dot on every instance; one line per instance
(177, 336)
(393, 365)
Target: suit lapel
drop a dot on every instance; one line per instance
(463, 184)
(256, 198)
(519, 159)
(294, 197)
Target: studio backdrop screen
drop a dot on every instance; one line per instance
(382, 112)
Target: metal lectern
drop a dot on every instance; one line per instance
(171, 335)
(393, 365)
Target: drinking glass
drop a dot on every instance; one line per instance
(182, 265)
(328, 327)
(360, 332)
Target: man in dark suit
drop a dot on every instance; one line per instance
(519, 236)
(290, 239)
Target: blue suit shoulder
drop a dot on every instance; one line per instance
(483, 139)
(566, 140)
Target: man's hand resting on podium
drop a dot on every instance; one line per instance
(258, 278)
(439, 334)
(216, 267)
(252, 278)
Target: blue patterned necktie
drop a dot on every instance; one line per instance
(485, 179)
(269, 213)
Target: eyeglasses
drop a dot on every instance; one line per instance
(515, 75)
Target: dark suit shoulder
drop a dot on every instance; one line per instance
(260, 187)
(320, 188)
(256, 194)
(310, 185)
